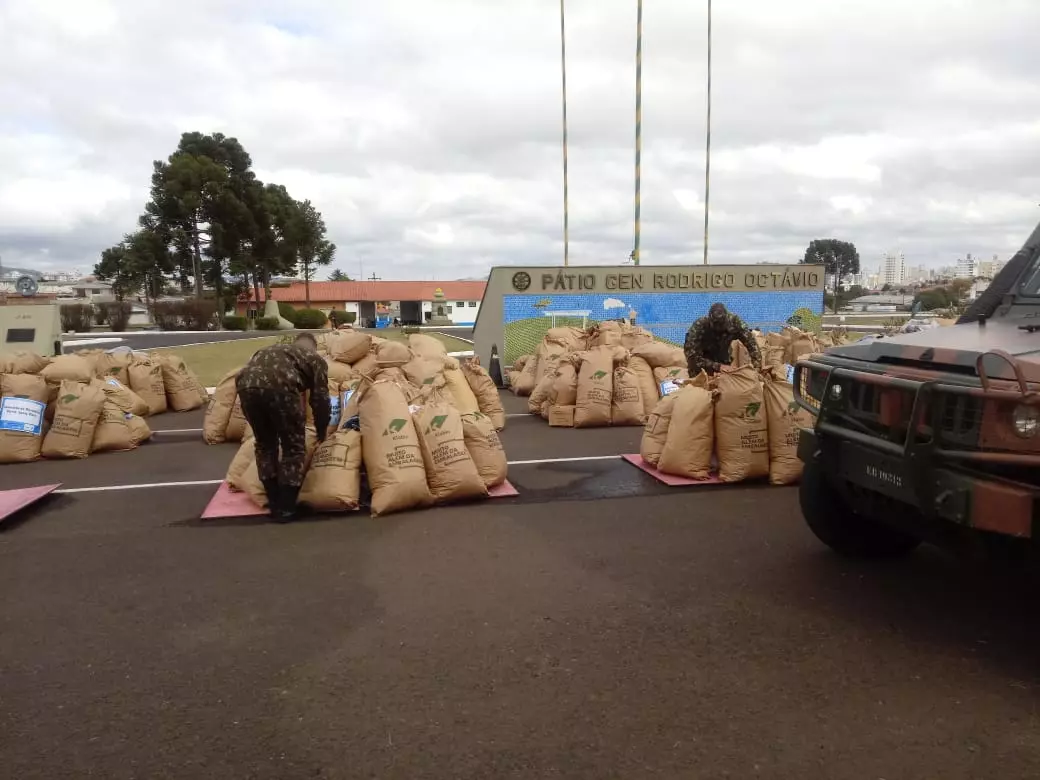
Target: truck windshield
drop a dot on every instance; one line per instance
(1031, 278)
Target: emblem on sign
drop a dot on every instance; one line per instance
(521, 281)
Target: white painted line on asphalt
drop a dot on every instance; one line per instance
(87, 342)
(197, 482)
(215, 341)
(178, 430)
(449, 336)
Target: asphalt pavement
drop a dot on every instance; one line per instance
(156, 339)
(597, 625)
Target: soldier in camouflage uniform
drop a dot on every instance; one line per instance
(271, 389)
(709, 339)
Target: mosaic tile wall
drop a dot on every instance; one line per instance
(666, 315)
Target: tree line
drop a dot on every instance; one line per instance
(211, 224)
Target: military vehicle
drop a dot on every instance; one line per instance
(929, 434)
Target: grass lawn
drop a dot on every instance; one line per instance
(211, 362)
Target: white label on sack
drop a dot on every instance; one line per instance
(413, 408)
(334, 410)
(790, 373)
(115, 383)
(22, 414)
(668, 387)
(346, 396)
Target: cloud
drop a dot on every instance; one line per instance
(614, 303)
(429, 134)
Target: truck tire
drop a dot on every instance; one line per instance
(839, 527)
(989, 299)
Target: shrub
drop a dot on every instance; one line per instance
(118, 315)
(267, 323)
(310, 319)
(101, 314)
(287, 312)
(337, 317)
(235, 322)
(412, 329)
(76, 317)
(191, 314)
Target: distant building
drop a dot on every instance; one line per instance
(884, 302)
(967, 267)
(893, 269)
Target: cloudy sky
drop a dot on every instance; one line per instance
(428, 131)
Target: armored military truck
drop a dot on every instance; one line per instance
(933, 431)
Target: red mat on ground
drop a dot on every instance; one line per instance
(12, 501)
(226, 503)
(669, 479)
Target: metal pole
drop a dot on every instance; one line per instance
(566, 205)
(639, 122)
(707, 145)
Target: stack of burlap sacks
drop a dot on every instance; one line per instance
(744, 421)
(73, 405)
(426, 433)
(610, 374)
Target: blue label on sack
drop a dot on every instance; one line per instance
(22, 414)
(668, 387)
(335, 409)
(790, 373)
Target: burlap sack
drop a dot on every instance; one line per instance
(669, 379)
(564, 390)
(425, 371)
(426, 346)
(785, 420)
(626, 404)
(248, 480)
(657, 354)
(333, 482)
(139, 430)
(218, 411)
(123, 397)
(392, 354)
(570, 339)
(485, 447)
(483, 386)
(113, 433)
(245, 455)
(349, 396)
(22, 412)
(773, 357)
(741, 430)
(115, 365)
(541, 394)
(632, 337)
(390, 445)
(22, 363)
(549, 354)
(739, 355)
(605, 334)
(520, 362)
(528, 379)
(655, 432)
(595, 388)
(690, 439)
(146, 379)
(451, 473)
(71, 368)
(801, 344)
(366, 366)
(184, 392)
(24, 386)
(348, 346)
(339, 372)
(458, 388)
(649, 392)
(237, 427)
(76, 418)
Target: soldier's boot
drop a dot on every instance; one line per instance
(274, 495)
(287, 509)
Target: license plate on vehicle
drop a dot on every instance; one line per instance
(876, 471)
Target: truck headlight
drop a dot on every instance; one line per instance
(1025, 419)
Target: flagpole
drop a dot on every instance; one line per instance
(566, 199)
(707, 145)
(639, 124)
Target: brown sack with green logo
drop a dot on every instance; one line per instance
(485, 447)
(785, 419)
(122, 396)
(218, 411)
(426, 346)
(542, 394)
(348, 345)
(451, 473)
(595, 388)
(139, 429)
(564, 390)
(689, 443)
(184, 392)
(71, 368)
(115, 365)
(649, 392)
(390, 446)
(76, 418)
(29, 393)
(655, 432)
(528, 377)
(146, 379)
(113, 432)
(626, 403)
(483, 387)
(333, 482)
(741, 430)
(658, 354)
(459, 390)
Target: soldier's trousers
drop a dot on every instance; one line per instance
(279, 423)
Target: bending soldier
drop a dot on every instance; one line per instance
(709, 339)
(271, 388)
